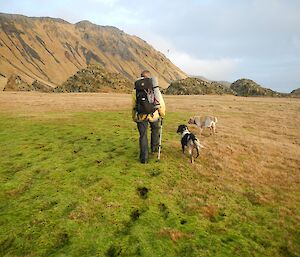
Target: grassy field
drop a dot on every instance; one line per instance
(71, 183)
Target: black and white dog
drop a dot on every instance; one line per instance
(189, 140)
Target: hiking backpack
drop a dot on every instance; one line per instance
(144, 100)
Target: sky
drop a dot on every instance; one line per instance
(217, 39)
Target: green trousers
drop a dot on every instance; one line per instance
(143, 140)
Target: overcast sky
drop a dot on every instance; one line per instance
(218, 39)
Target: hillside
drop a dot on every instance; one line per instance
(247, 87)
(295, 93)
(197, 86)
(51, 50)
(3, 81)
(202, 86)
(96, 79)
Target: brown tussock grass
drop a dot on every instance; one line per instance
(210, 212)
(173, 234)
(82, 214)
(21, 189)
(256, 149)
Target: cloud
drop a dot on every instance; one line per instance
(258, 39)
(296, 42)
(215, 69)
(110, 3)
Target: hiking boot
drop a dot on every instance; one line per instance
(144, 160)
(154, 150)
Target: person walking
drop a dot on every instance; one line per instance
(148, 107)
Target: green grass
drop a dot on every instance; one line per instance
(71, 186)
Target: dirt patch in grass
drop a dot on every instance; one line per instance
(164, 210)
(143, 192)
(174, 235)
(135, 215)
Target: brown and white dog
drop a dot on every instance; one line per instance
(190, 141)
(204, 122)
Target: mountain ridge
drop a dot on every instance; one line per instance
(248, 87)
(50, 50)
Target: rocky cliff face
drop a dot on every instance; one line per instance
(51, 50)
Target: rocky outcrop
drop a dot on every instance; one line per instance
(247, 87)
(295, 93)
(197, 86)
(96, 79)
(15, 83)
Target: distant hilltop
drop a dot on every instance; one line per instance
(197, 86)
(50, 50)
(241, 87)
(247, 87)
(296, 92)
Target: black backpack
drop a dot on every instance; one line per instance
(143, 88)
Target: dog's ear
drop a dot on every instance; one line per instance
(191, 120)
(181, 128)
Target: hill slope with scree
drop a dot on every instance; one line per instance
(50, 50)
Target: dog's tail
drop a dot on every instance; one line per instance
(215, 119)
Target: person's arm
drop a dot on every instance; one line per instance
(134, 114)
(162, 109)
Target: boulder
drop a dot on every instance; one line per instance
(15, 83)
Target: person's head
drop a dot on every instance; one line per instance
(146, 74)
